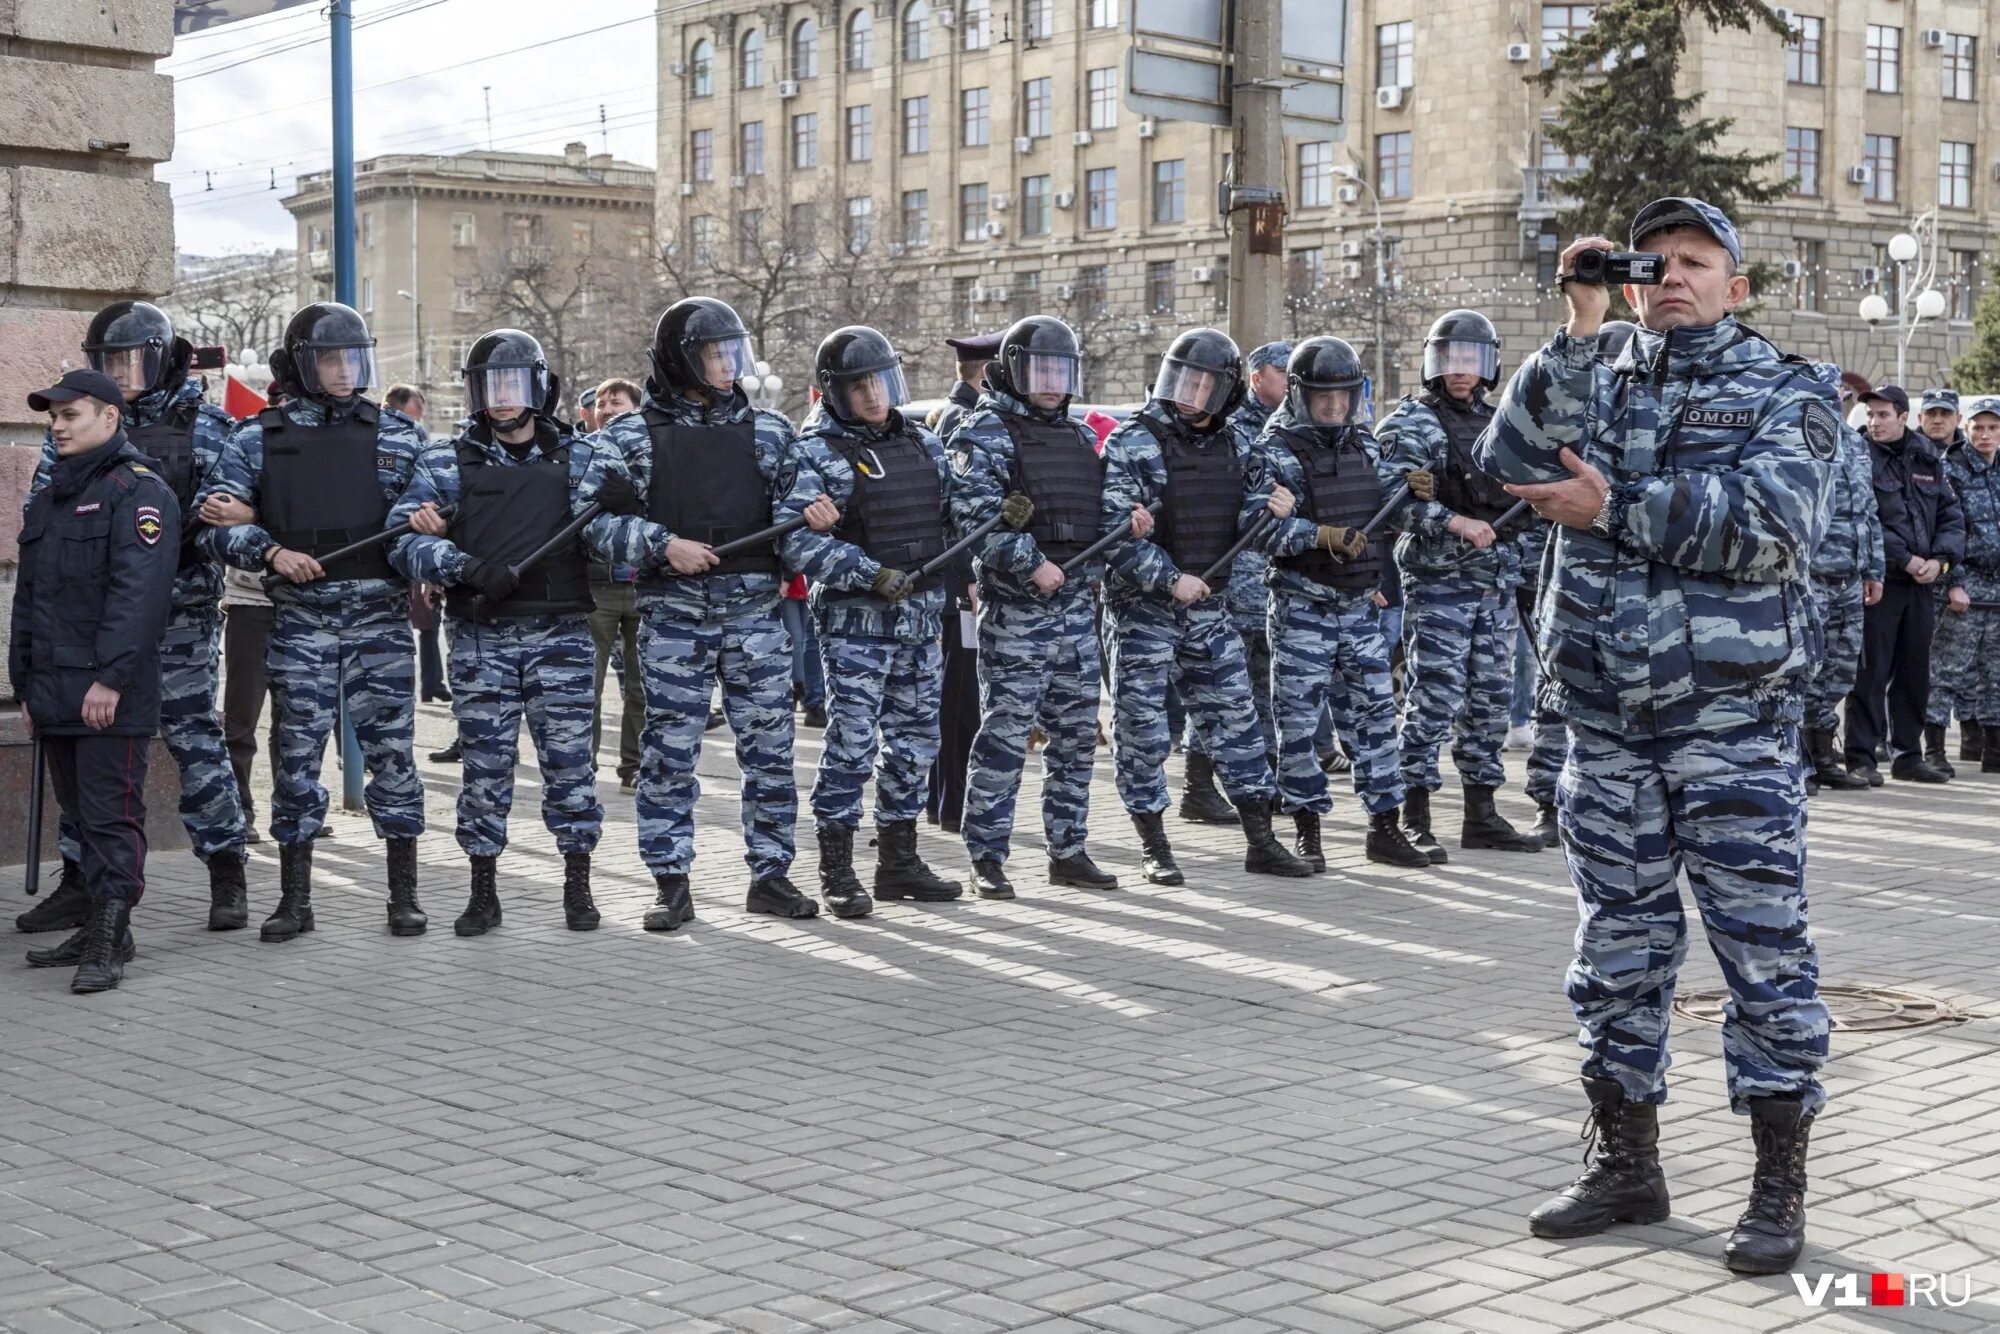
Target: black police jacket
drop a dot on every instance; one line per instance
(99, 547)
(1921, 515)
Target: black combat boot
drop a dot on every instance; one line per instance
(482, 910)
(1972, 743)
(901, 874)
(1079, 872)
(405, 917)
(1158, 864)
(1387, 843)
(1307, 843)
(250, 834)
(1991, 764)
(1934, 750)
(1826, 765)
(1623, 1182)
(104, 938)
(1417, 825)
(777, 896)
(989, 880)
(579, 909)
(838, 885)
(1201, 803)
(294, 916)
(672, 904)
(1264, 854)
(1772, 1231)
(66, 908)
(1546, 829)
(228, 897)
(70, 953)
(1912, 767)
(1863, 767)
(1485, 827)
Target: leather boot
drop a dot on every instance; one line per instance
(66, 908)
(1912, 767)
(294, 915)
(1772, 1231)
(1417, 825)
(1991, 764)
(1079, 872)
(1485, 827)
(1972, 743)
(672, 903)
(1546, 828)
(482, 911)
(900, 873)
(1934, 750)
(838, 885)
(1387, 843)
(104, 938)
(1158, 864)
(989, 880)
(1263, 853)
(405, 917)
(228, 897)
(1307, 843)
(1623, 1182)
(579, 909)
(1201, 802)
(70, 953)
(1827, 766)
(777, 896)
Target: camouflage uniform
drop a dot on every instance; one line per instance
(347, 635)
(1978, 484)
(1849, 555)
(1953, 662)
(1550, 740)
(1677, 649)
(1245, 599)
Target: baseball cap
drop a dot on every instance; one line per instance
(1681, 211)
(79, 384)
(588, 398)
(1985, 403)
(1270, 354)
(1892, 394)
(1938, 398)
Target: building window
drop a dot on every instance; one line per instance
(1316, 174)
(961, 302)
(701, 67)
(701, 153)
(1101, 186)
(1954, 175)
(916, 219)
(860, 220)
(1966, 272)
(860, 41)
(1559, 24)
(1160, 287)
(1806, 287)
(1103, 99)
(1882, 59)
(916, 125)
(367, 295)
(1170, 191)
(805, 140)
(1802, 159)
(1027, 293)
(1958, 48)
(802, 226)
(1548, 251)
(860, 133)
(1037, 108)
(805, 50)
(975, 24)
(975, 107)
(701, 240)
(1308, 271)
(1103, 13)
(917, 31)
(464, 231)
(749, 236)
(464, 299)
(1395, 55)
(1392, 165)
(1037, 215)
(367, 231)
(1093, 291)
(1802, 52)
(752, 63)
(1878, 154)
(972, 201)
(1041, 18)
(750, 148)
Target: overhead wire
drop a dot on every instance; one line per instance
(296, 42)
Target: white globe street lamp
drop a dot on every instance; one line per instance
(1930, 304)
(1873, 308)
(1915, 255)
(1903, 247)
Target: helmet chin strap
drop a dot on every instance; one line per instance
(513, 423)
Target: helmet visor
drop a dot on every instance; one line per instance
(1050, 373)
(135, 369)
(1327, 407)
(869, 395)
(504, 391)
(336, 372)
(1452, 358)
(720, 362)
(1195, 390)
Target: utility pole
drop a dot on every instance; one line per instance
(340, 23)
(1257, 233)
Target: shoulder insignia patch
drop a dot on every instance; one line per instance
(146, 520)
(1725, 418)
(387, 461)
(961, 456)
(140, 470)
(90, 508)
(1821, 427)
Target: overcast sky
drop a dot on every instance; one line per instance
(272, 112)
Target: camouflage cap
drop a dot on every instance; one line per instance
(1681, 211)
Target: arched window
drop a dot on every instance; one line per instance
(860, 41)
(753, 59)
(917, 31)
(701, 64)
(805, 50)
(975, 24)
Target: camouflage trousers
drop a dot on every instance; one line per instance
(1837, 607)
(1458, 681)
(681, 661)
(881, 717)
(1200, 649)
(317, 657)
(1037, 665)
(1257, 662)
(1978, 697)
(1332, 652)
(1728, 808)
(1954, 667)
(542, 669)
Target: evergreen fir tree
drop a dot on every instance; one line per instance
(1978, 371)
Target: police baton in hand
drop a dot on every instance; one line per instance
(956, 549)
(272, 578)
(760, 537)
(38, 768)
(1514, 511)
(1104, 543)
(1381, 516)
(1251, 534)
(545, 550)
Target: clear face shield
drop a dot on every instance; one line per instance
(133, 368)
(337, 372)
(1327, 407)
(868, 396)
(505, 392)
(1448, 358)
(1046, 373)
(721, 362)
(1195, 390)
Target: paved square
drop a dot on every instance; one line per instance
(1243, 1105)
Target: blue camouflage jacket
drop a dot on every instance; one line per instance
(399, 444)
(841, 573)
(1693, 615)
(1271, 464)
(438, 560)
(982, 476)
(1852, 547)
(1978, 485)
(1409, 438)
(1135, 473)
(626, 446)
(1245, 594)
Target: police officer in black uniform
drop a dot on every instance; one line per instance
(99, 547)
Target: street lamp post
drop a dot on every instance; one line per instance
(1915, 254)
(1349, 171)
(764, 387)
(420, 361)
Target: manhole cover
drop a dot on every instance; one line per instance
(1857, 1009)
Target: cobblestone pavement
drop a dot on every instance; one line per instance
(1243, 1105)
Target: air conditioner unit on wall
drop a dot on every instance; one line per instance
(1204, 273)
(687, 187)
(679, 68)
(1388, 99)
(1148, 128)
(1860, 175)
(1065, 199)
(1350, 250)
(1064, 291)
(998, 203)
(996, 295)
(996, 229)
(1081, 139)
(1350, 269)
(1023, 144)
(1519, 53)
(788, 88)
(1348, 194)
(1869, 275)
(738, 182)
(1794, 269)
(1933, 38)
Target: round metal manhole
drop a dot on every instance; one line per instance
(1863, 1009)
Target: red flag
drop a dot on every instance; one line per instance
(239, 400)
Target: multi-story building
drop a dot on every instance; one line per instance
(237, 302)
(983, 151)
(449, 247)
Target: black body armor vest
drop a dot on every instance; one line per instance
(1204, 498)
(506, 513)
(707, 488)
(1058, 470)
(169, 442)
(1341, 491)
(319, 490)
(1461, 486)
(896, 514)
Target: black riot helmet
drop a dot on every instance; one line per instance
(134, 343)
(1201, 374)
(331, 352)
(1612, 336)
(1462, 342)
(859, 375)
(1040, 355)
(700, 344)
(507, 378)
(1324, 377)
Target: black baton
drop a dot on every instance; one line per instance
(545, 550)
(952, 552)
(272, 578)
(1381, 516)
(761, 536)
(1104, 543)
(38, 767)
(1255, 531)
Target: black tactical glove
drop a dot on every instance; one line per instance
(493, 582)
(1338, 541)
(618, 496)
(1016, 510)
(892, 585)
(1422, 484)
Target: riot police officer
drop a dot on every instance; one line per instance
(520, 642)
(99, 549)
(708, 468)
(878, 615)
(322, 472)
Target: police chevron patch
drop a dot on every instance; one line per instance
(146, 520)
(1821, 427)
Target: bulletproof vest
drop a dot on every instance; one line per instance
(1341, 490)
(707, 488)
(1204, 498)
(504, 513)
(319, 490)
(169, 442)
(1063, 476)
(1461, 486)
(896, 514)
